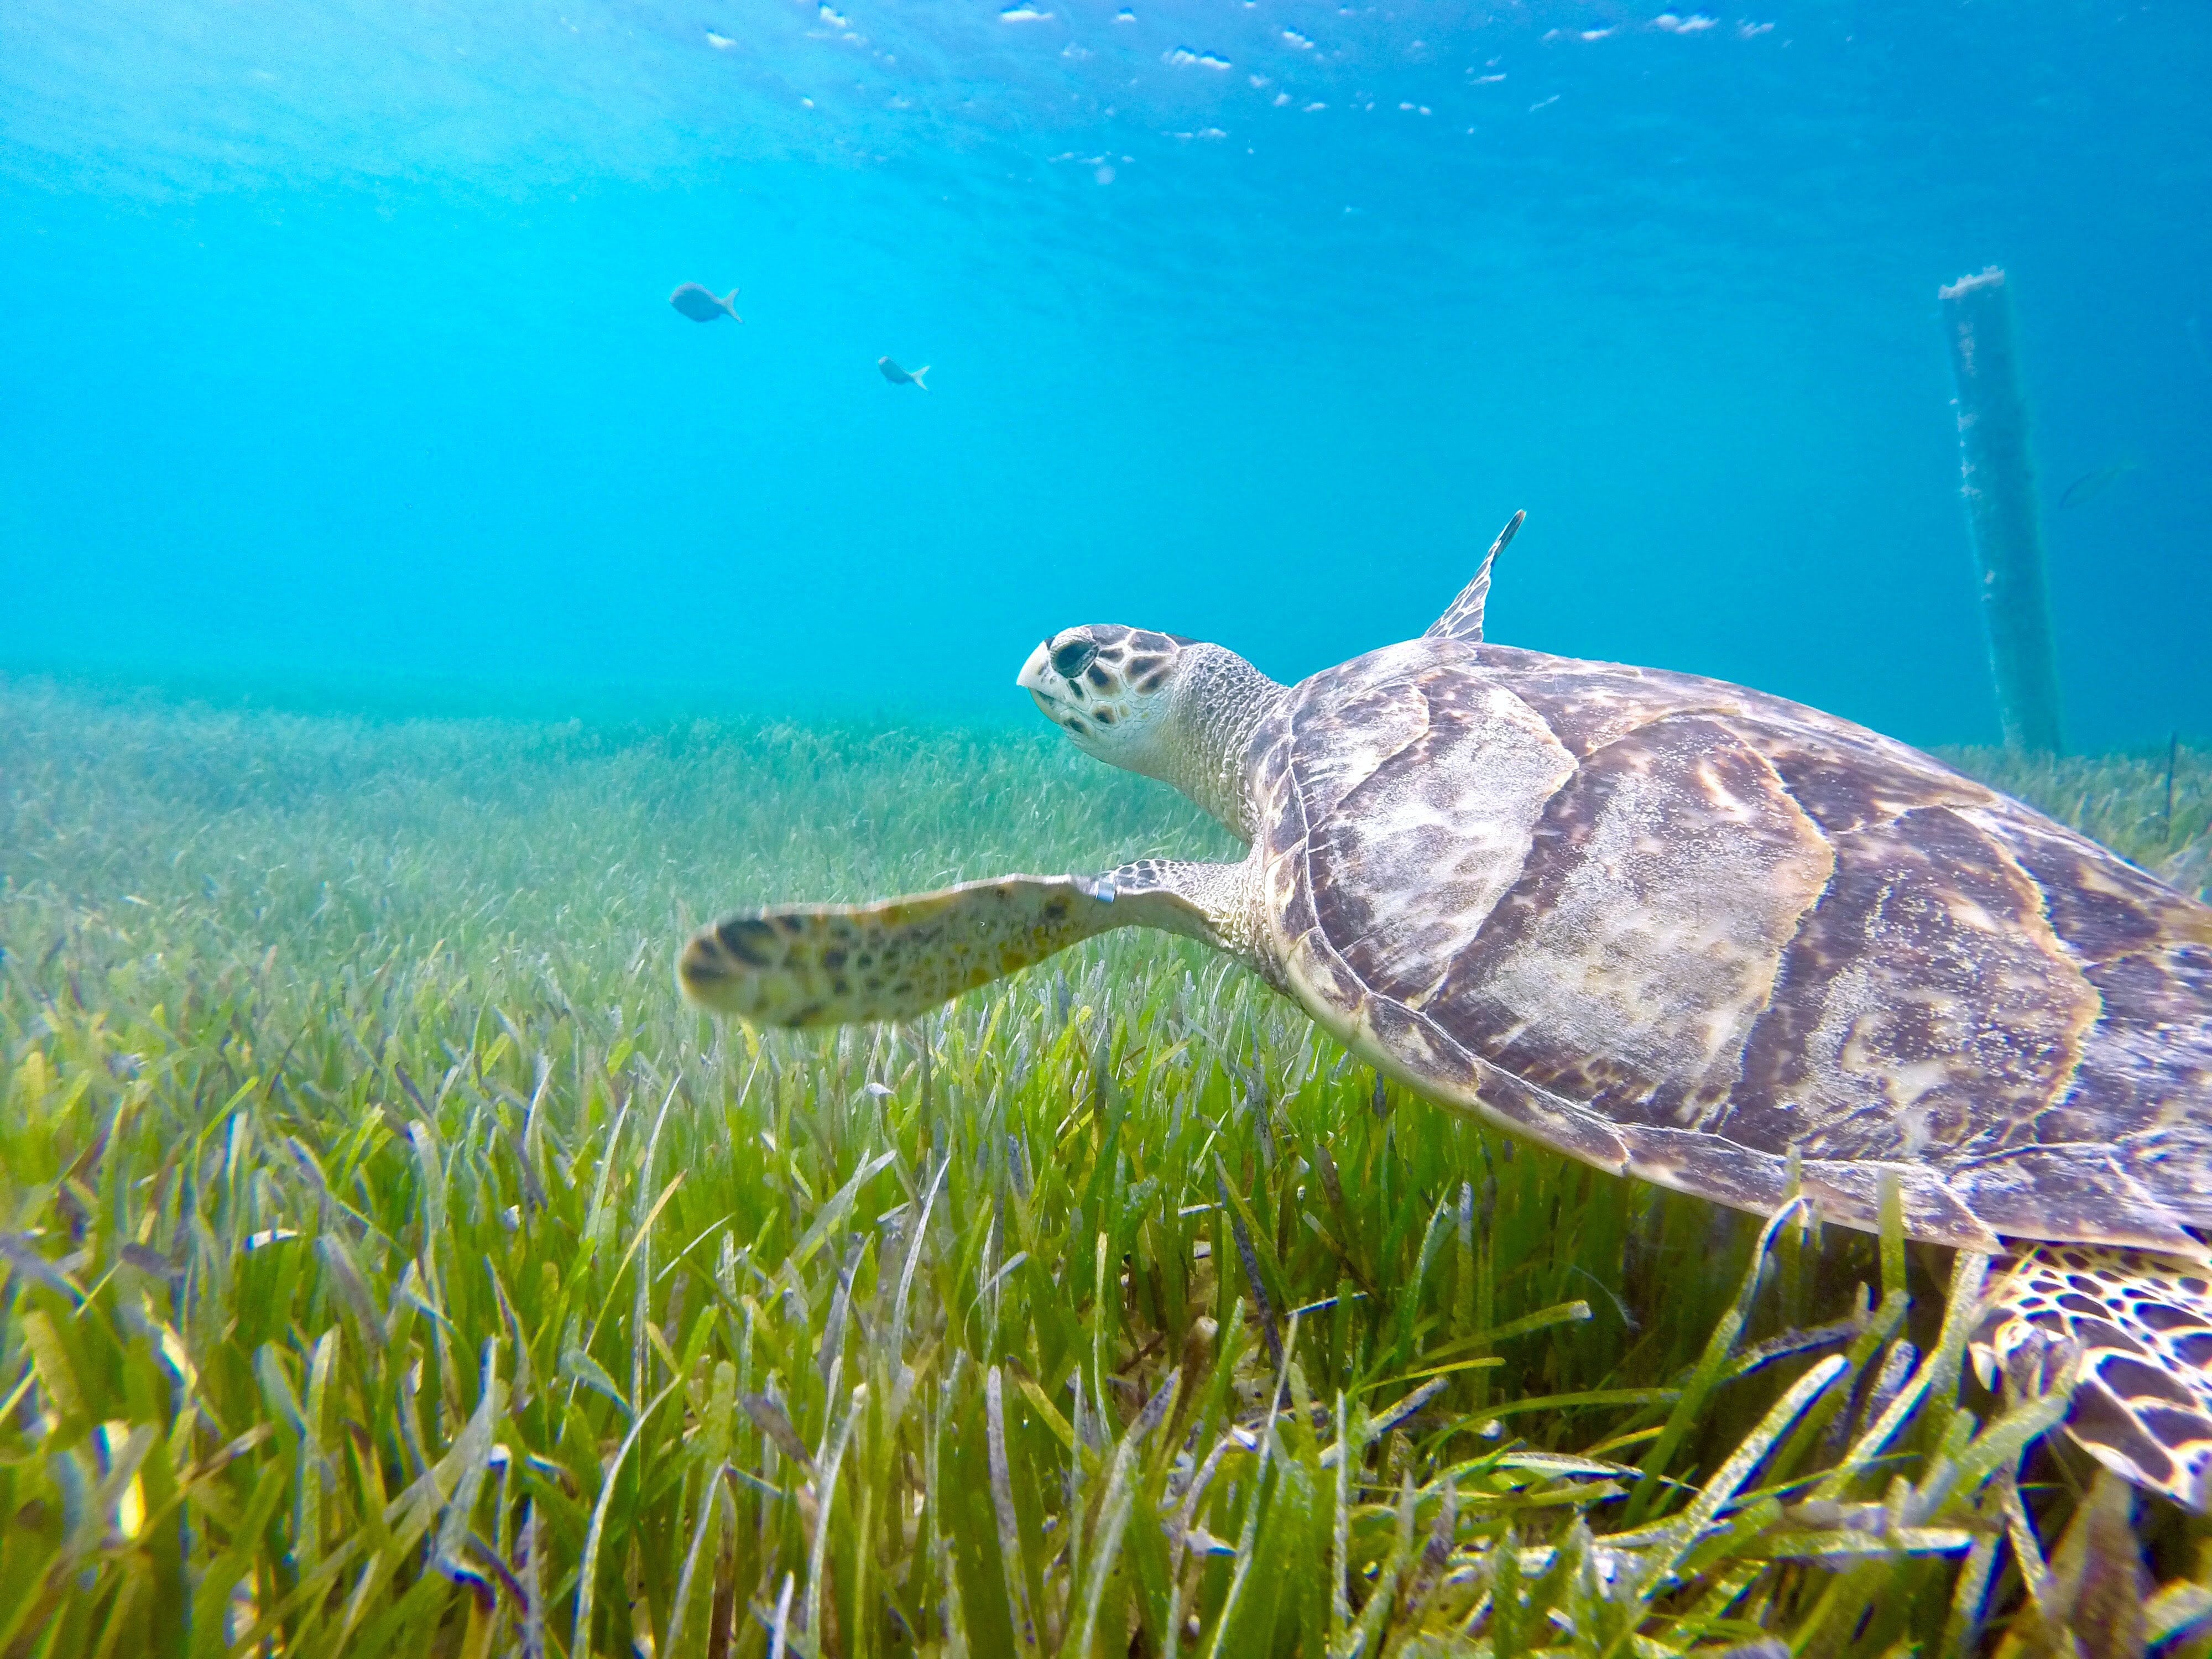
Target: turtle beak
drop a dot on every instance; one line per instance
(1036, 676)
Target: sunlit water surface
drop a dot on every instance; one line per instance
(339, 365)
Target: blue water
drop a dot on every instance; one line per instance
(336, 355)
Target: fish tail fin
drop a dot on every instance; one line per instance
(916, 377)
(730, 305)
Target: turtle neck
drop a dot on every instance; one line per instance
(1220, 702)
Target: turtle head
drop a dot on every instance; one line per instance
(1169, 708)
(1110, 688)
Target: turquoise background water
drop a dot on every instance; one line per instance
(337, 364)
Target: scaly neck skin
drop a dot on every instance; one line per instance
(1220, 701)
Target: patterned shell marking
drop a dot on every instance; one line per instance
(1697, 935)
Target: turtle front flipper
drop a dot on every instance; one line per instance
(846, 964)
(1463, 619)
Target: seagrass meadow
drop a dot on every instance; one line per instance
(394, 1266)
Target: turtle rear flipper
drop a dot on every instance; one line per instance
(845, 964)
(2140, 1324)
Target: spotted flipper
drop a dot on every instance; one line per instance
(845, 964)
(2142, 1323)
(1464, 620)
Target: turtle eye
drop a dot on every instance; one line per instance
(1074, 658)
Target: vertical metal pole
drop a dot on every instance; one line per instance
(1998, 481)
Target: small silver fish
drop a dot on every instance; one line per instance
(2090, 485)
(898, 376)
(703, 306)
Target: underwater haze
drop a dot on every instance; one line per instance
(425, 605)
(339, 366)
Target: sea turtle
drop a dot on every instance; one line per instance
(1671, 926)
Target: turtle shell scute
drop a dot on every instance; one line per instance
(1724, 942)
